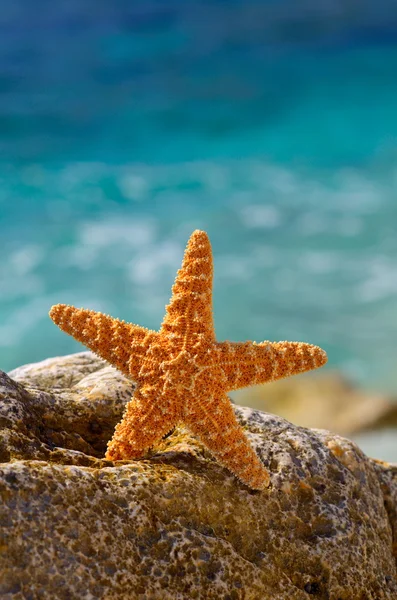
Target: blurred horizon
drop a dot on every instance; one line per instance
(271, 125)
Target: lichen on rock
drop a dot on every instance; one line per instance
(177, 525)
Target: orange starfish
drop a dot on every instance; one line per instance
(183, 373)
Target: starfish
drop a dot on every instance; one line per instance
(183, 373)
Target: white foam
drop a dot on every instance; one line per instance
(261, 216)
(17, 273)
(146, 268)
(113, 231)
(380, 281)
(22, 319)
(320, 262)
(26, 259)
(134, 186)
(234, 267)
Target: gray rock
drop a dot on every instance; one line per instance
(176, 524)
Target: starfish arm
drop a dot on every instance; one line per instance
(188, 316)
(146, 420)
(249, 363)
(215, 424)
(124, 345)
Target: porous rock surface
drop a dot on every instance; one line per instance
(177, 525)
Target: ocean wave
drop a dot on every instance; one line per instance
(297, 254)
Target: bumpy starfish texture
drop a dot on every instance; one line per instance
(183, 374)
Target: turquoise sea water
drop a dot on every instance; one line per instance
(125, 127)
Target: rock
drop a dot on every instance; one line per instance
(176, 525)
(324, 400)
(52, 409)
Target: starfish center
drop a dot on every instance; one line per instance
(182, 371)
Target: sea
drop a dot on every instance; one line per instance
(270, 124)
